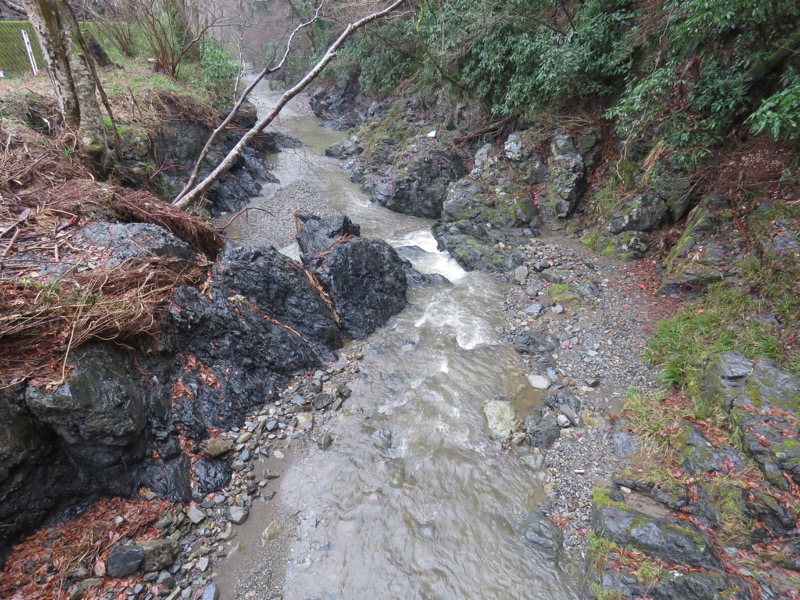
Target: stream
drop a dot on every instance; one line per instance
(412, 499)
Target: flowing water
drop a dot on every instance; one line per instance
(412, 500)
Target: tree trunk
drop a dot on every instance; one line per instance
(70, 70)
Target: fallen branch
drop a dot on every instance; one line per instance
(12, 242)
(244, 210)
(218, 131)
(484, 130)
(197, 191)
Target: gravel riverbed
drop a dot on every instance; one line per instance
(581, 322)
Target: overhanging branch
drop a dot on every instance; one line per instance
(329, 55)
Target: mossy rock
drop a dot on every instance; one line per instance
(656, 537)
(762, 403)
(707, 252)
(628, 245)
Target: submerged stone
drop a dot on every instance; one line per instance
(501, 419)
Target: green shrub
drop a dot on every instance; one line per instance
(219, 68)
(779, 114)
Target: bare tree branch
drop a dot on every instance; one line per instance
(329, 55)
(218, 131)
(13, 6)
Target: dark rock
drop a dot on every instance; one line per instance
(673, 496)
(169, 478)
(677, 544)
(532, 342)
(124, 560)
(628, 245)
(279, 287)
(708, 251)
(344, 149)
(567, 176)
(211, 592)
(699, 586)
(557, 400)
(121, 241)
(158, 553)
(588, 142)
(763, 406)
(782, 242)
(477, 202)
(701, 457)
(211, 475)
(250, 357)
(542, 533)
(418, 186)
(542, 433)
(364, 278)
(776, 517)
(322, 401)
(672, 585)
(677, 193)
(318, 233)
(338, 104)
(180, 142)
(99, 416)
(788, 554)
(467, 244)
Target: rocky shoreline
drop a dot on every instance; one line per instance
(617, 450)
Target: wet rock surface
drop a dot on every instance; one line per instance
(364, 278)
(761, 401)
(414, 182)
(708, 251)
(227, 348)
(179, 143)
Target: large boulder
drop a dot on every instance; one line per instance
(318, 233)
(281, 289)
(567, 176)
(416, 184)
(502, 206)
(643, 212)
(708, 251)
(338, 104)
(676, 544)
(99, 415)
(121, 241)
(235, 356)
(364, 278)
(541, 533)
(762, 401)
(474, 246)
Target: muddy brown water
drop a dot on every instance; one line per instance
(438, 512)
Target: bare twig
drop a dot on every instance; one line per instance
(244, 210)
(12, 242)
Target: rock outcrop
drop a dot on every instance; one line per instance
(226, 347)
(364, 278)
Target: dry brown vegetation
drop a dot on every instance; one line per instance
(56, 291)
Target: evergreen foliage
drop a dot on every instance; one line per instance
(686, 71)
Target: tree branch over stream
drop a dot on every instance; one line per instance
(268, 70)
(187, 197)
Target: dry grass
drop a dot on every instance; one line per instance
(58, 293)
(42, 566)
